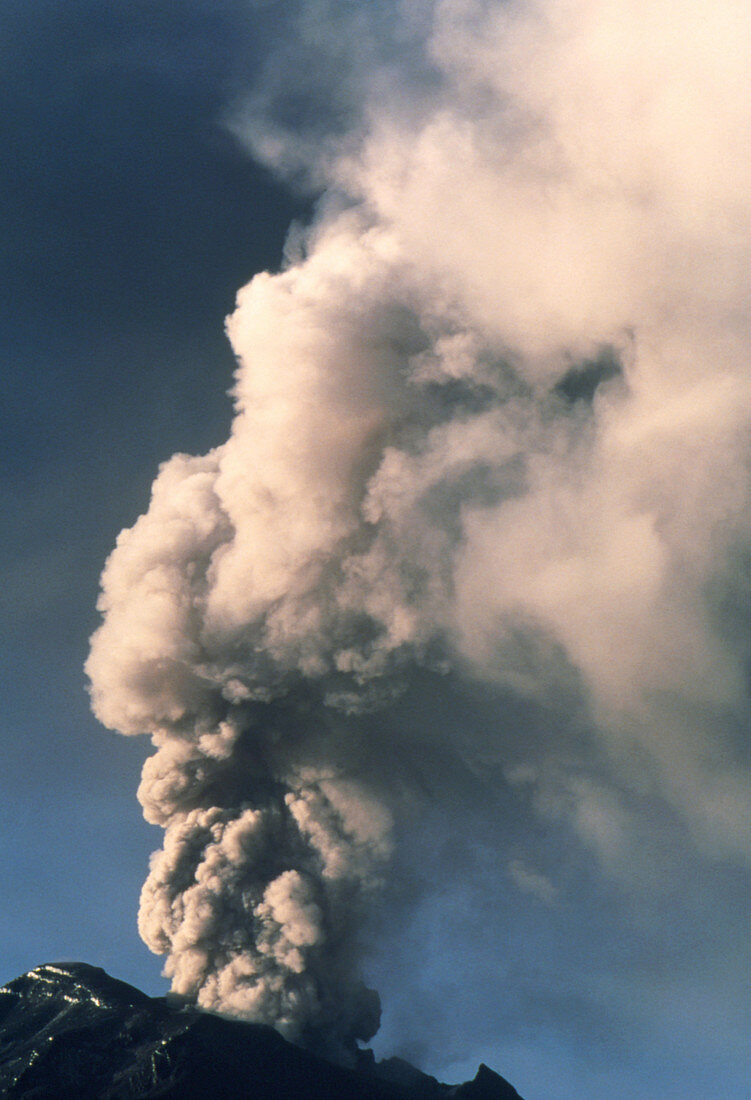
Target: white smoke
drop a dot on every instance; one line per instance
(492, 422)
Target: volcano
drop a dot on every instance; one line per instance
(69, 1030)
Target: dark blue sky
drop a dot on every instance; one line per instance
(129, 220)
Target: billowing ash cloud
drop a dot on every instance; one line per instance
(492, 426)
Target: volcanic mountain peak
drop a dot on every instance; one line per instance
(71, 1031)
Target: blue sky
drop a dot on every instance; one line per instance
(130, 217)
(129, 220)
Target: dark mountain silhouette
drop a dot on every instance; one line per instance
(71, 1032)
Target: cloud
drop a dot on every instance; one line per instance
(490, 431)
(530, 881)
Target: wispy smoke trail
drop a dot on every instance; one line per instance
(492, 421)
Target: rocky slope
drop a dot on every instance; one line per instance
(71, 1031)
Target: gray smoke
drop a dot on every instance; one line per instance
(491, 425)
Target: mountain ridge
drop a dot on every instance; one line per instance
(72, 1031)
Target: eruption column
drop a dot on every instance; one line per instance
(491, 422)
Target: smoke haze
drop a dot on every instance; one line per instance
(490, 456)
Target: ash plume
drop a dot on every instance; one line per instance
(491, 427)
